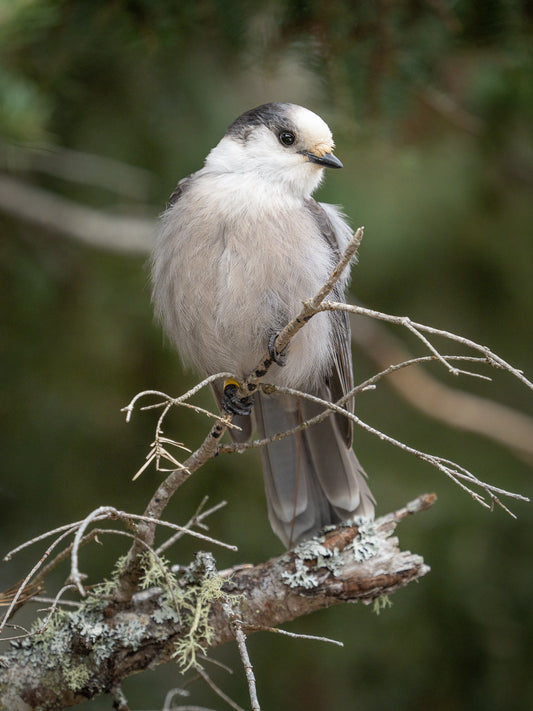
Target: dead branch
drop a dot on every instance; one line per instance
(90, 651)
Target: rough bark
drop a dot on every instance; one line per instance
(88, 652)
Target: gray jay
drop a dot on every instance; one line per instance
(240, 246)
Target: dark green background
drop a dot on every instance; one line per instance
(446, 199)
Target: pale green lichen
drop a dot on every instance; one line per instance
(156, 572)
(366, 544)
(72, 646)
(132, 631)
(381, 603)
(166, 612)
(312, 561)
(203, 588)
(76, 677)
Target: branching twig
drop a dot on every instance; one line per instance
(418, 328)
(440, 401)
(174, 401)
(112, 513)
(256, 379)
(80, 538)
(452, 470)
(367, 384)
(195, 520)
(30, 575)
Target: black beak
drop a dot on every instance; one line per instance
(328, 160)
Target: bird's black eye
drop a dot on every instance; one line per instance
(286, 138)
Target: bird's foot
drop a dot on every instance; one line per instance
(277, 358)
(232, 403)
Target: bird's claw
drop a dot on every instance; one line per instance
(232, 403)
(277, 358)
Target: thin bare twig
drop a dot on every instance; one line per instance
(101, 512)
(240, 638)
(50, 600)
(11, 626)
(367, 384)
(294, 635)
(53, 606)
(417, 328)
(441, 401)
(68, 527)
(30, 575)
(195, 520)
(205, 676)
(452, 470)
(216, 662)
(120, 703)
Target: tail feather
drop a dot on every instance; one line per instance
(312, 479)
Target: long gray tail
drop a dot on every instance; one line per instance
(312, 478)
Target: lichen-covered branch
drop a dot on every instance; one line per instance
(89, 651)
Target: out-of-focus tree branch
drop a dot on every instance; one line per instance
(78, 167)
(51, 212)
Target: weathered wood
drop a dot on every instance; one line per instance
(88, 652)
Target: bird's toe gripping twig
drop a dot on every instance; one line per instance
(279, 358)
(232, 403)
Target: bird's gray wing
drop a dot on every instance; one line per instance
(340, 380)
(178, 191)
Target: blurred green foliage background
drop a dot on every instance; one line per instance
(431, 104)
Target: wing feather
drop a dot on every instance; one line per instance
(335, 232)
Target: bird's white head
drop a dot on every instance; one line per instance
(283, 144)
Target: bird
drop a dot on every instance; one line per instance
(241, 244)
